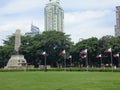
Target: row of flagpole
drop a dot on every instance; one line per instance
(84, 54)
(61, 53)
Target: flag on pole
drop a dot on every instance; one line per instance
(83, 51)
(99, 56)
(116, 55)
(62, 53)
(108, 50)
(84, 57)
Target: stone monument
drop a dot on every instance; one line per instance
(17, 60)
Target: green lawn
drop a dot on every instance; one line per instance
(59, 81)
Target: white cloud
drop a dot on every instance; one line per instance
(89, 4)
(23, 19)
(88, 24)
(10, 27)
(83, 18)
(19, 6)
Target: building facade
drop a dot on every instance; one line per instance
(117, 26)
(54, 16)
(34, 30)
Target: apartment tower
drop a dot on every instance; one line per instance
(54, 16)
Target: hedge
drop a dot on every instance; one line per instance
(63, 69)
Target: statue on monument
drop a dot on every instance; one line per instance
(17, 60)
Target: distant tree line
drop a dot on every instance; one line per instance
(54, 42)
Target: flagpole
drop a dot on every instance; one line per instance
(111, 61)
(71, 61)
(101, 61)
(118, 61)
(45, 64)
(65, 63)
(87, 62)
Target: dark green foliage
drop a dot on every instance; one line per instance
(54, 42)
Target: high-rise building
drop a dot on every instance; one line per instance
(54, 16)
(34, 30)
(117, 26)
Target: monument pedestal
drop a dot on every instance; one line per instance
(16, 62)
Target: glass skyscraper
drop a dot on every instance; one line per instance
(34, 31)
(54, 16)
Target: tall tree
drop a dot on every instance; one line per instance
(53, 43)
(91, 45)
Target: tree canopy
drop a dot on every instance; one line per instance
(54, 42)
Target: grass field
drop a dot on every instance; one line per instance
(59, 81)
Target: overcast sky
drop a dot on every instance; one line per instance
(82, 18)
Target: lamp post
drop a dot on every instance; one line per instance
(45, 57)
(71, 60)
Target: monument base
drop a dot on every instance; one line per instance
(16, 62)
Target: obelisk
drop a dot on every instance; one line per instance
(17, 41)
(17, 60)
